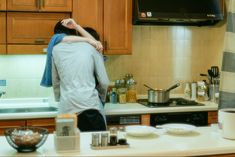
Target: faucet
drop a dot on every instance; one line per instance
(2, 93)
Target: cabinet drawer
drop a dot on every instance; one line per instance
(26, 49)
(31, 28)
(12, 123)
(41, 122)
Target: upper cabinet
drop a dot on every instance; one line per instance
(2, 4)
(112, 19)
(40, 5)
(2, 33)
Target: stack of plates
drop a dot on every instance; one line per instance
(178, 128)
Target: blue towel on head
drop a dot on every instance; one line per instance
(47, 76)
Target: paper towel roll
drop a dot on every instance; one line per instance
(194, 90)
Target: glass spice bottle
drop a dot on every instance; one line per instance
(113, 136)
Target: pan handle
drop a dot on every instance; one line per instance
(173, 87)
(149, 87)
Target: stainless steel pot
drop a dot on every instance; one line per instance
(160, 95)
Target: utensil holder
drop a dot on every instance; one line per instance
(67, 143)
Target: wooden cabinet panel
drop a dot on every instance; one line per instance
(23, 5)
(117, 26)
(57, 5)
(2, 28)
(92, 17)
(48, 123)
(145, 119)
(26, 49)
(2, 4)
(40, 5)
(10, 124)
(212, 117)
(33, 28)
(2, 33)
(111, 18)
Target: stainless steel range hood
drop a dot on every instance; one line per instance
(177, 12)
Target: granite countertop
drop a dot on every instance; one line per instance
(202, 141)
(110, 109)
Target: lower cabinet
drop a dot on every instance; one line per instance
(212, 117)
(48, 123)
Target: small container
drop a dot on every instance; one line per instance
(187, 91)
(113, 136)
(104, 139)
(201, 91)
(113, 96)
(95, 139)
(193, 91)
(121, 138)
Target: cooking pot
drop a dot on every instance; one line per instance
(159, 95)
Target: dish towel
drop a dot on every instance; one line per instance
(227, 83)
(47, 76)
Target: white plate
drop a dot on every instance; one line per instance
(178, 128)
(138, 130)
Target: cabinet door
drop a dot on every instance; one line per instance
(31, 28)
(92, 17)
(48, 123)
(56, 5)
(2, 4)
(10, 124)
(40, 5)
(117, 26)
(2, 33)
(23, 5)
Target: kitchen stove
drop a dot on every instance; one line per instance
(173, 102)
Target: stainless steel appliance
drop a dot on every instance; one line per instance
(195, 118)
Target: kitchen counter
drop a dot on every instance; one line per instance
(110, 109)
(203, 141)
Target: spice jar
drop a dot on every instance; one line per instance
(122, 92)
(131, 92)
(104, 139)
(113, 136)
(95, 139)
(201, 91)
(121, 136)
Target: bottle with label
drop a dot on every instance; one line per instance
(113, 96)
(187, 91)
(131, 90)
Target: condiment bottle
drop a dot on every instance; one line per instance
(122, 92)
(113, 136)
(113, 96)
(131, 92)
(187, 91)
(121, 136)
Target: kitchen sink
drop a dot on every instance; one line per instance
(23, 110)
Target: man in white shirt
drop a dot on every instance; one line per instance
(75, 68)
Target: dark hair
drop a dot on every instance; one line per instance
(92, 32)
(59, 28)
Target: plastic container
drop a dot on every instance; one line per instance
(67, 143)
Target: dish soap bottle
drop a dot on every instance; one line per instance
(187, 91)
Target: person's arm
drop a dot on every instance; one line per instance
(101, 75)
(71, 24)
(55, 81)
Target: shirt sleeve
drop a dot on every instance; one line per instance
(47, 77)
(55, 81)
(101, 75)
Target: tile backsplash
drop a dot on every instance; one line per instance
(161, 56)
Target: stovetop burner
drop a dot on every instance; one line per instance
(173, 102)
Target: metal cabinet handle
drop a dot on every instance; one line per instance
(39, 41)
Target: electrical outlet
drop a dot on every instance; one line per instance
(3, 82)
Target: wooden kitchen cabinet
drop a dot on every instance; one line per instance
(2, 33)
(2, 4)
(40, 5)
(48, 123)
(111, 18)
(10, 124)
(30, 33)
(212, 117)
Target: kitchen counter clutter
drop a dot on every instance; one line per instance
(202, 141)
(110, 109)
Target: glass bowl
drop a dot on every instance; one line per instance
(26, 139)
